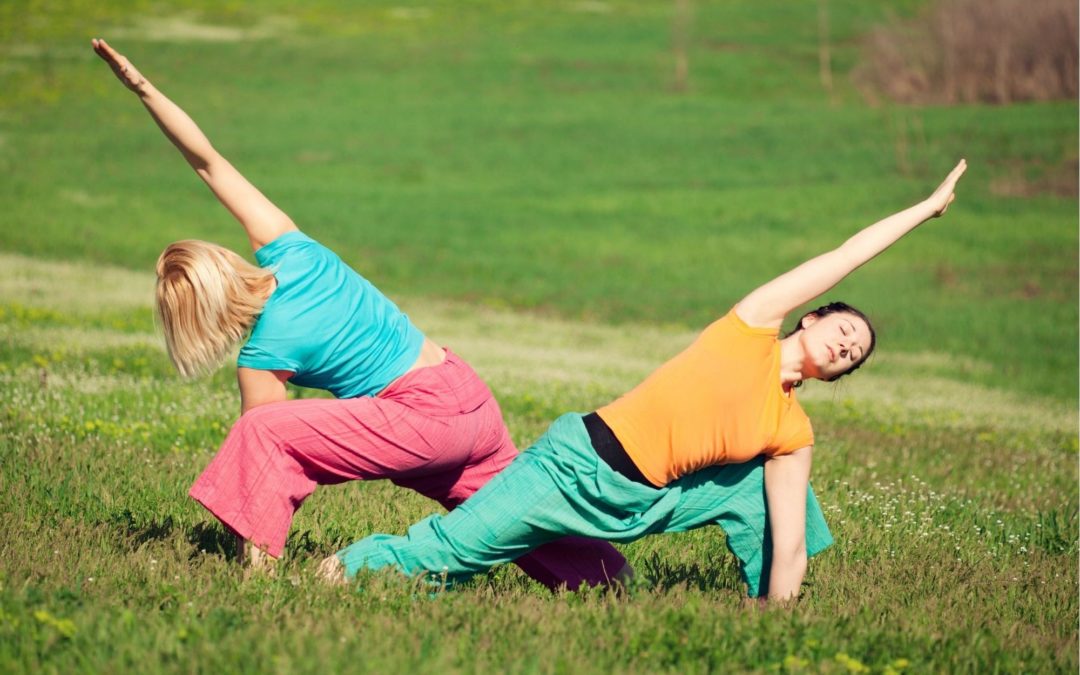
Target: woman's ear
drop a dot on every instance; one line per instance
(808, 320)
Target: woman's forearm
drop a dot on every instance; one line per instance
(872, 240)
(818, 275)
(769, 303)
(174, 122)
(262, 220)
(177, 126)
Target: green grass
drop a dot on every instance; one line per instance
(954, 507)
(538, 159)
(524, 180)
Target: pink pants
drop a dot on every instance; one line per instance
(437, 430)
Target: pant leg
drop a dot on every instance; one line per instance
(276, 454)
(439, 432)
(505, 519)
(548, 492)
(567, 562)
(562, 488)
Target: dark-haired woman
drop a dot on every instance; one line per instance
(661, 458)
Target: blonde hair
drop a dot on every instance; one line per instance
(207, 299)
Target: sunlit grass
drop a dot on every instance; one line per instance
(523, 179)
(534, 156)
(954, 513)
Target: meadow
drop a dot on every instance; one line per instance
(528, 183)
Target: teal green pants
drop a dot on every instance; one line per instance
(560, 487)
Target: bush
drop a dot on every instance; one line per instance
(975, 51)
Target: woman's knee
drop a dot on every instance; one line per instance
(259, 421)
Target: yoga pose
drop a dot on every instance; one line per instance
(662, 457)
(406, 409)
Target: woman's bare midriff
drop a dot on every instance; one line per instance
(431, 354)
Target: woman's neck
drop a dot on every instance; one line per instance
(792, 360)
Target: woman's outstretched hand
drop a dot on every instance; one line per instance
(121, 67)
(944, 195)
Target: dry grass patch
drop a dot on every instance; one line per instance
(188, 28)
(975, 51)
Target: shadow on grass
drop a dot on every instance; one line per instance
(302, 544)
(709, 575)
(212, 538)
(215, 538)
(203, 537)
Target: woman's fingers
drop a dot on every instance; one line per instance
(127, 74)
(109, 54)
(944, 195)
(954, 176)
(103, 50)
(961, 167)
(104, 47)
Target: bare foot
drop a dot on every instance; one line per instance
(331, 571)
(253, 559)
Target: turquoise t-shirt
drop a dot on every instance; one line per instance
(327, 324)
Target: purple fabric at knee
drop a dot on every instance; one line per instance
(572, 561)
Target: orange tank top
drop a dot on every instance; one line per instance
(720, 401)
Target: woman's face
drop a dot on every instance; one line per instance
(833, 344)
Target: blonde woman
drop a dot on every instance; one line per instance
(406, 409)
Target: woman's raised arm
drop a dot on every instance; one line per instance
(768, 305)
(262, 220)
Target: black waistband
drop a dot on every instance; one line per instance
(609, 449)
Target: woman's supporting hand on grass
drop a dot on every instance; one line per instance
(261, 219)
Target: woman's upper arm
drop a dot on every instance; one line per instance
(262, 219)
(259, 387)
(786, 481)
(768, 304)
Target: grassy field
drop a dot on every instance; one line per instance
(524, 180)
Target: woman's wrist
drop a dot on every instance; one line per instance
(923, 211)
(143, 89)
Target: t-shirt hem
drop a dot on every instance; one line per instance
(405, 361)
(267, 365)
(632, 453)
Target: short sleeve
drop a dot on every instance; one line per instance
(271, 253)
(730, 334)
(254, 356)
(795, 432)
